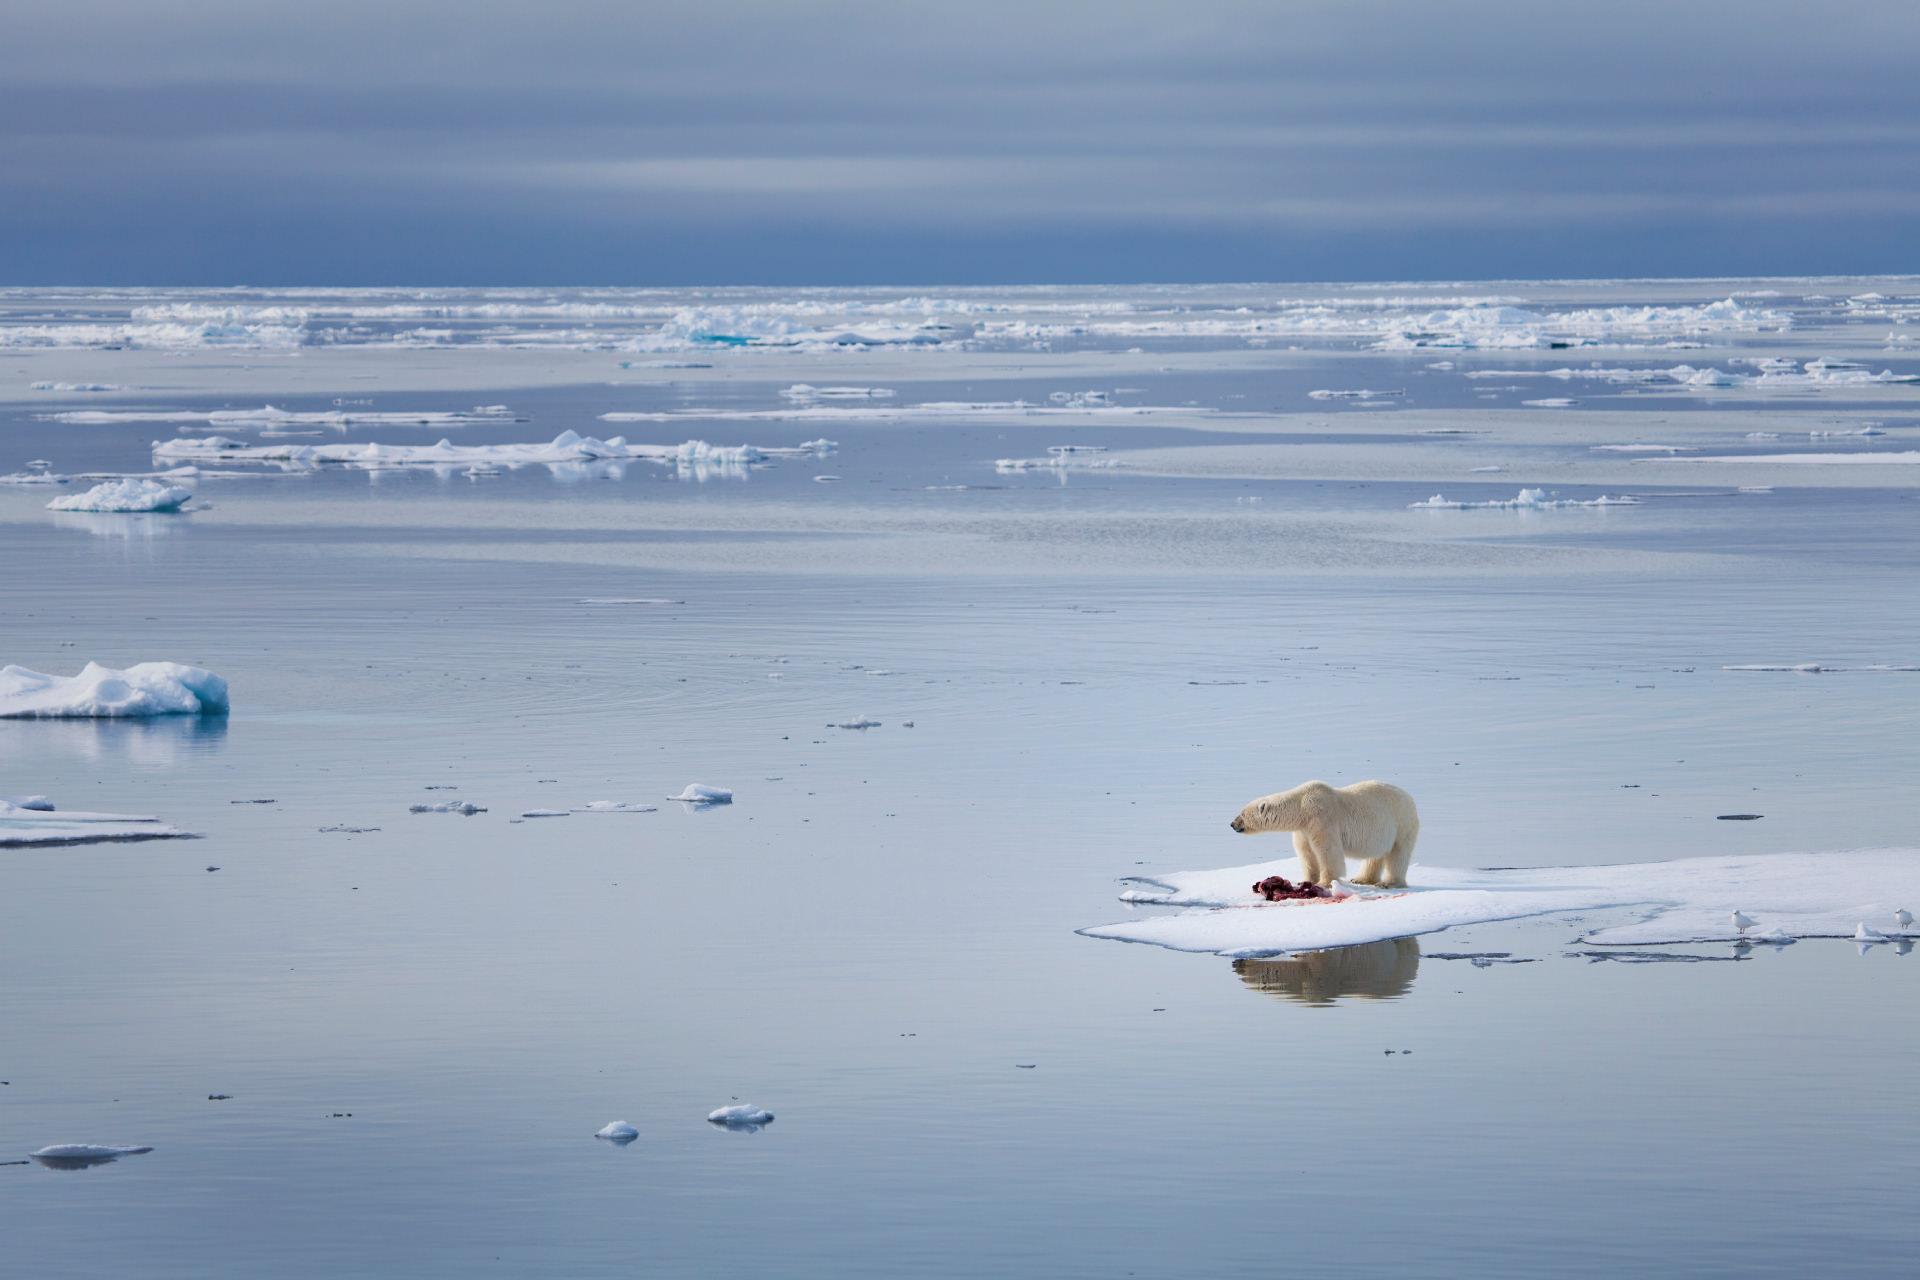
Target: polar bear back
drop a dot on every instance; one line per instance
(1367, 819)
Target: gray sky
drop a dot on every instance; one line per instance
(734, 141)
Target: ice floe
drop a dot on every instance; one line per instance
(78, 1155)
(619, 1131)
(464, 807)
(1059, 458)
(1791, 895)
(568, 446)
(269, 416)
(546, 813)
(1814, 668)
(33, 820)
(698, 793)
(75, 386)
(741, 1116)
(145, 689)
(807, 391)
(615, 806)
(807, 411)
(126, 495)
(1360, 394)
(1771, 374)
(1525, 500)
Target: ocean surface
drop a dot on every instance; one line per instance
(1103, 567)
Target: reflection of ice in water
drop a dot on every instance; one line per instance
(1381, 970)
(155, 742)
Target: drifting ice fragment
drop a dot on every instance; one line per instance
(125, 495)
(741, 1116)
(701, 794)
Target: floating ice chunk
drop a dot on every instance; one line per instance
(700, 794)
(1553, 403)
(1805, 895)
(35, 477)
(125, 495)
(1865, 932)
(804, 391)
(74, 386)
(1066, 459)
(1641, 448)
(1361, 394)
(145, 689)
(34, 821)
(466, 807)
(616, 806)
(741, 1115)
(74, 1155)
(862, 723)
(546, 813)
(1486, 470)
(618, 1132)
(1525, 500)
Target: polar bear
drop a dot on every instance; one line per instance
(1373, 821)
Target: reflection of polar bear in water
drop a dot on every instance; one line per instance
(1372, 971)
(1373, 821)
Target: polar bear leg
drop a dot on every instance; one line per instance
(1333, 861)
(1309, 861)
(1369, 871)
(1399, 860)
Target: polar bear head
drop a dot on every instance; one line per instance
(1281, 811)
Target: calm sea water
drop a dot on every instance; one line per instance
(1077, 678)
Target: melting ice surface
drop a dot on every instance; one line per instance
(1797, 895)
(145, 689)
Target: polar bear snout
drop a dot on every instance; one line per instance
(1239, 824)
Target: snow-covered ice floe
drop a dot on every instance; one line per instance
(1773, 375)
(701, 794)
(807, 391)
(1059, 458)
(741, 1116)
(568, 446)
(464, 807)
(619, 1131)
(145, 689)
(32, 820)
(1525, 500)
(615, 806)
(1355, 394)
(1785, 895)
(125, 495)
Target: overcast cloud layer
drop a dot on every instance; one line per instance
(786, 142)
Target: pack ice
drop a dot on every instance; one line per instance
(1783, 895)
(145, 689)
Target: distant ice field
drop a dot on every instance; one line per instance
(984, 606)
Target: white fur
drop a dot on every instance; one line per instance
(1373, 821)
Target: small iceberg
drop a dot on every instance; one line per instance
(619, 1133)
(465, 807)
(741, 1116)
(124, 496)
(145, 689)
(700, 794)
